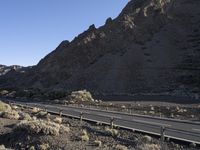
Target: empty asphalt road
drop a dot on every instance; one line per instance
(175, 129)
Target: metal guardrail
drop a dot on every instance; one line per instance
(112, 121)
(138, 115)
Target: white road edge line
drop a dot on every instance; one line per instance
(154, 123)
(196, 130)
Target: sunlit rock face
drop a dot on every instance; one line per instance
(153, 46)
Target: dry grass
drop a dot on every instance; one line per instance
(39, 126)
(84, 136)
(44, 146)
(58, 120)
(11, 115)
(25, 116)
(35, 126)
(81, 96)
(98, 143)
(120, 147)
(35, 110)
(146, 139)
(112, 132)
(150, 147)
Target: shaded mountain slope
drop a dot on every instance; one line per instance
(153, 46)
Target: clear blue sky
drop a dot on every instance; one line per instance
(30, 29)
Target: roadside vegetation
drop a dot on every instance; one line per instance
(35, 129)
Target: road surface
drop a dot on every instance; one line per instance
(175, 129)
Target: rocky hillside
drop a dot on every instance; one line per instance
(6, 69)
(153, 46)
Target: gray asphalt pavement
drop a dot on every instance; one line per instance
(176, 129)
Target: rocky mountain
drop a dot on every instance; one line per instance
(153, 46)
(6, 69)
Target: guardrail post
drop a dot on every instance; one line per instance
(162, 137)
(60, 112)
(81, 117)
(111, 122)
(45, 108)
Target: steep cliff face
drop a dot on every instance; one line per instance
(153, 46)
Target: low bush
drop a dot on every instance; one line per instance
(98, 143)
(25, 116)
(4, 107)
(11, 114)
(120, 147)
(112, 132)
(146, 139)
(58, 120)
(39, 126)
(84, 136)
(150, 147)
(35, 110)
(81, 96)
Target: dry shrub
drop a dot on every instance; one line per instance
(14, 107)
(64, 129)
(44, 146)
(2, 147)
(25, 116)
(4, 107)
(35, 110)
(31, 148)
(150, 147)
(11, 114)
(4, 92)
(58, 120)
(39, 126)
(146, 139)
(84, 136)
(98, 143)
(120, 147)
(42, 114)
(110, 131)
(81, 96)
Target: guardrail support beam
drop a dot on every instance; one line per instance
(162, 137)
(81, 117)
(60, 113)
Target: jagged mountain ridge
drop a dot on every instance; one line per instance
(151, 47)
(6, 69)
